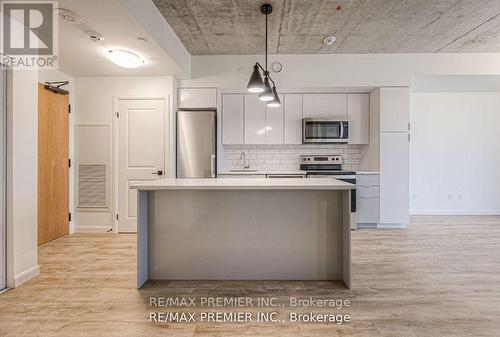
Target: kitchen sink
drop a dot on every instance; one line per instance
(243, 171)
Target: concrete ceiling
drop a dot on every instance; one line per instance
(219, 27)
(79, 56)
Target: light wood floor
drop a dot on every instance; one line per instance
(441, 277)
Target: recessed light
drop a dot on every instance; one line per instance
(329, 40)
(95, 36)
(70, 16)
(125, 58)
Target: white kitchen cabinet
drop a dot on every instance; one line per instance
(325, 105)
(394, 109)
(293, 118)
(255, 120)
(394, 180)
(197, 98)
(232, 119)
(358, 113)
(274, 123)
(368, 199)
(368, 211)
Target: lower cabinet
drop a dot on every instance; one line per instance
(368, 200)
(368, 211)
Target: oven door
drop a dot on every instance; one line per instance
(324, 130)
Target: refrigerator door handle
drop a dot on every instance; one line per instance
(212, 165)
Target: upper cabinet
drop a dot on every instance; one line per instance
(232, 119)
(189, 98)
(293, 118)
(324, 105)
(358, 107)
(394, 109)
(274, 123)
(255, 120)
(247, 120)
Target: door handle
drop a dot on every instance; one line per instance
(212, 165)
(158, 173)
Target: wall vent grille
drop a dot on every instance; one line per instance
(92, 184)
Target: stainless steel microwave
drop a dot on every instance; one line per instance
(325, 130)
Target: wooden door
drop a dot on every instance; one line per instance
(141, 152)
(53, 168)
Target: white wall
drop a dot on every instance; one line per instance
(57, 76)
(346, 72)
(94, 130)
(455, 153)
(22, 177)
(339, 70)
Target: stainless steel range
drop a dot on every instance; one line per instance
(330, 167)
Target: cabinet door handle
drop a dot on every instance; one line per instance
(212, 165)
(158, 173)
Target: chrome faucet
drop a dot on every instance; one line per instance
(243, 161)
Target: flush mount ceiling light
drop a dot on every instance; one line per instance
(70, 16)
(125, 58)
(266, 93)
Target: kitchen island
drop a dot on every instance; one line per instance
(244, 229)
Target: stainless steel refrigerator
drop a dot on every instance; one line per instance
(196, 143)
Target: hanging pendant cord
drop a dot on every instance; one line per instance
(266, 45)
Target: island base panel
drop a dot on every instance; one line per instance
(247, 235)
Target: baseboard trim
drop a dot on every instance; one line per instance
(455, 212)
(367, 225)
(382, 225)
(26, 275)
(392, 225)
(92, 229)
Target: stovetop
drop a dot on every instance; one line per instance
(331, 172)
(323, 165)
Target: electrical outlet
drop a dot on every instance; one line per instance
(459, 196)
(414, 196)
(450, 196)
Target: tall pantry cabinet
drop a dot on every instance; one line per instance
(394, 157)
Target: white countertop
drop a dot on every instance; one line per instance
(367, 172)
(254, 173)
(244, 184)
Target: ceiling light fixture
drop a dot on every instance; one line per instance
(70, 16)
(125, 58)
(266, 93)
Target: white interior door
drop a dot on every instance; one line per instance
(141, 152)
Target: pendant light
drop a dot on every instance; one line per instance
(267, 93)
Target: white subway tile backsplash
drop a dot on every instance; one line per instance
(286, 157)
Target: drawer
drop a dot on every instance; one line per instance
(368, 191)
(368, 180)
(368, 210)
